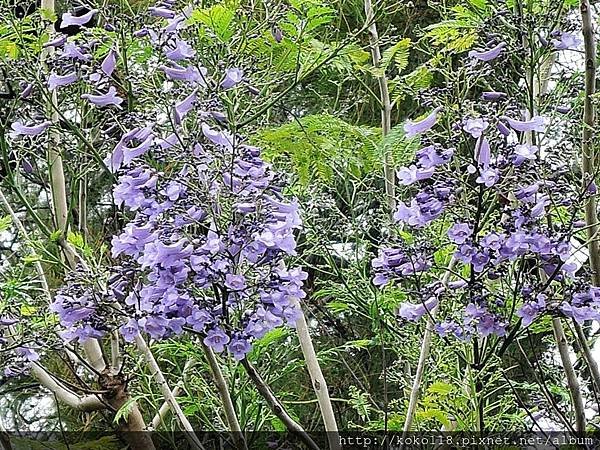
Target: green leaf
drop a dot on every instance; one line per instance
(277, 424)
(76, 239)
(5, 223)
(28, 310)
(29, 259)
(440, 387)
(48, 15)
(398, 53)
(125, 410)
(218, 18)
(338, 307)
(55, 236)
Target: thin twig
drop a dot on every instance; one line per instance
(167, 393)
(423, 355)
(572, 382)
(229, 409)
(318, 381)
(276, 407)
(386, 107)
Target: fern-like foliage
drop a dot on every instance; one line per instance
(321, 148)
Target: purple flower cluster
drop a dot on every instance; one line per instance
(210, 232)
(496, 196)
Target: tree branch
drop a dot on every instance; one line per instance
(386, 107)
(423, 355)
(318, 382)
(221, 383)
(167, 393)
(276, 407)
(588, 159)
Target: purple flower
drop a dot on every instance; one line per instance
(475, 127)
(412, 312)
(393, 263)
(488, 55)
(566, 41)
(110, 98)
(109, 63)
(485, 322)
(174, 190)
(162, 12)
(181, 51)
(277, 34)
(413, 128)
(488, 177)
(484, 153)
(189, 74)
(58, 41)
(72, 51)
(527, 193)
(155, 326)
(132, 187)
(409, 175)
(216, 339)
(129, 330)
(235, 282)
(524, 152)
(184, 106)
(459, 233)
(492, 96)
(579, 313)
(239, 348)
(422, 210)
(503, 129)
(232, 77)
(430, 157)
(69, 19)
(18, 129)
(133, 239)
(530, 310)
(123, 155)
(26, 92)
(535, 124)
(28, 353)
(445, 328)
(221, 138)
(55, 80)
(7, 321)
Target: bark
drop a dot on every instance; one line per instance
(572, 382)
(133, 428)
(158, 376)
(229, 409)
(276, 407)
(588, 159)
(318, 382)
(386, 107)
